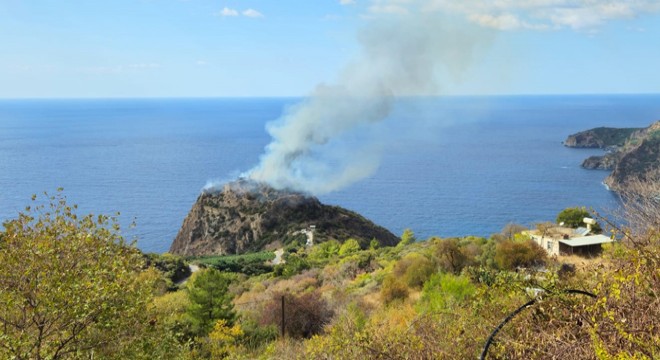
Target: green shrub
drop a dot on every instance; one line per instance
(443, 291)
(324, 251)
(407, 238)
(173, 268)
(294, 264)
(418, 269)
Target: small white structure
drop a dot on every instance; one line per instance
(590, 222)
(310, 235)
(565, 241)
(309, 232)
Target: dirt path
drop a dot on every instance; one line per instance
(193, 269)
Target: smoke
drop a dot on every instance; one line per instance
(332, 138)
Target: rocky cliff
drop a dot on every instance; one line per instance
(600, 138)
(632, 154)
(245, 216)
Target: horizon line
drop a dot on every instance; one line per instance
(244, 97)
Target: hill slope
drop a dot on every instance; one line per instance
(245, 216)
(633, 154)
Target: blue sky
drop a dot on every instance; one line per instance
(200, 48)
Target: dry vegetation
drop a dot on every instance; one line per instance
(433, 299)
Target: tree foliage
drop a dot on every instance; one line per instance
(407, 238)
(451, 256)
(210, 301)
(223, 339)
(350, 246)
(574, 218)
(70, 286)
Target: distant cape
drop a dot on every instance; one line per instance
(631, 153)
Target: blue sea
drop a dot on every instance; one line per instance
(450, 166)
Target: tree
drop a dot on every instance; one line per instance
(408, 237)
(210, 301)
(70, 286)
(574, 218)
(451, 256)
(511, 229)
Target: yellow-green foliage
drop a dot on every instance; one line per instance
(223, 339)
(350, 246)
(170, 310)
(323, 252)
(407, 238)
(70, 287)
(354, 304)
(414, 269)
(443, 291)
(393, 289)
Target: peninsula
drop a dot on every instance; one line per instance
(630, 153)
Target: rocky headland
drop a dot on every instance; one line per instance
(244, 216)
(631, 153)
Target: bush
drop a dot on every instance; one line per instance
(393, 289)
(351, 246)
(451, 256)
(510, 255)
(418, 269)
(294, 264)
(324, 251)
(305, 314)
(443, 291)
(173, 267)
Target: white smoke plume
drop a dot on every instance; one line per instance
(322, 144)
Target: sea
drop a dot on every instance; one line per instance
(448, 166)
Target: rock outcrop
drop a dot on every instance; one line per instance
(605, 162)
(632, 154)
(245, 216)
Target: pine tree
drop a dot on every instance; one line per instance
(210, 301)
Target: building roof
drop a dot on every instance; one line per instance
(582, 231)
(587, 240)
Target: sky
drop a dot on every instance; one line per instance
(258, 48)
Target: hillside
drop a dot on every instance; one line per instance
(600, 138)
(454, 298)
(245, 216)
(632, 154)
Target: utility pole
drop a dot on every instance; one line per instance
(282, 317)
